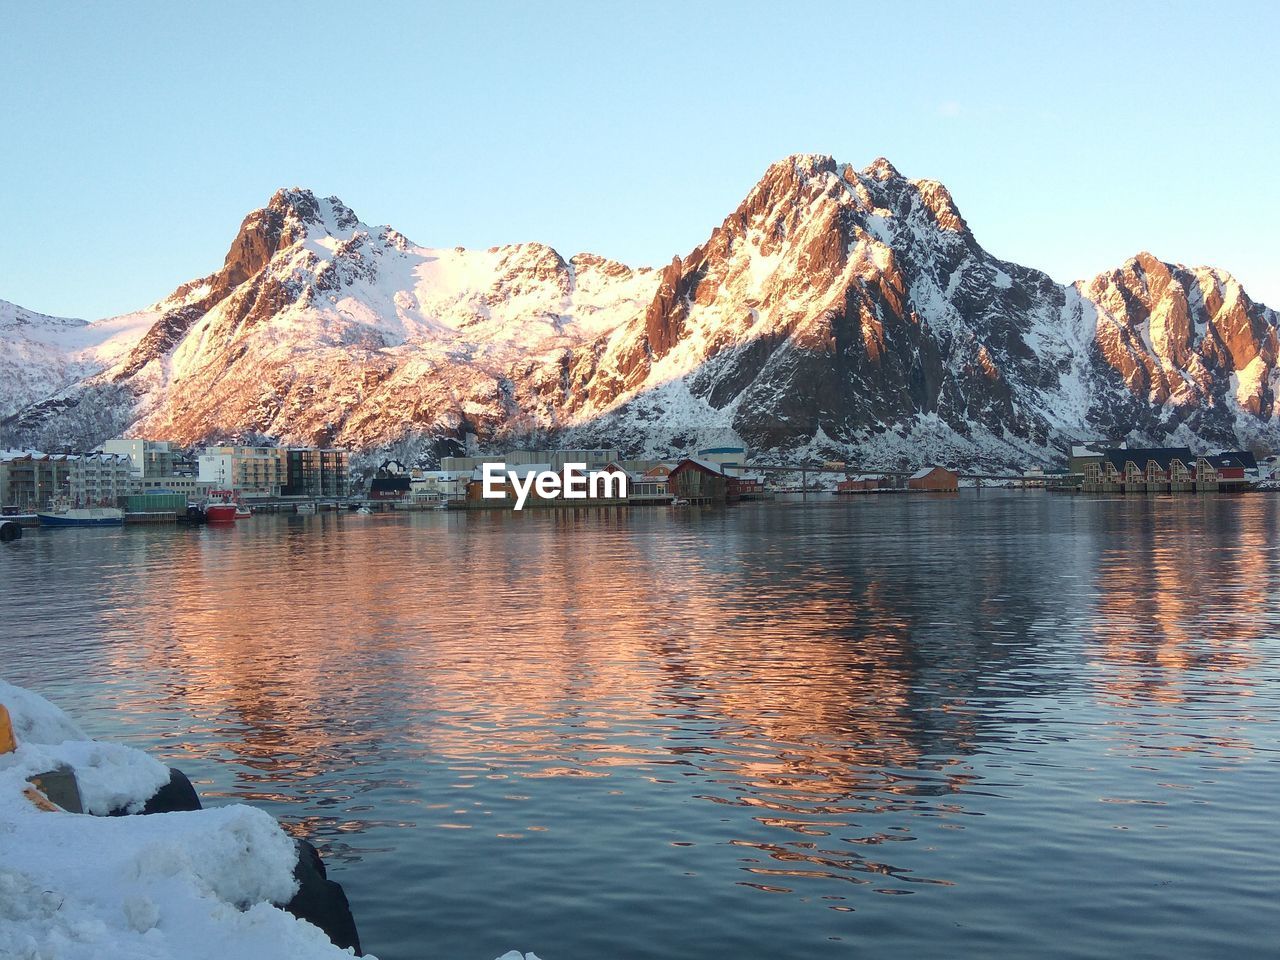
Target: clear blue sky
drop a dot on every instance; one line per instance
(136, 136)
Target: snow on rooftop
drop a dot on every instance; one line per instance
(709, 465)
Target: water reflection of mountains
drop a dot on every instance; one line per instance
(814, 667)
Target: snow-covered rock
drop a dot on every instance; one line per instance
(194, 886)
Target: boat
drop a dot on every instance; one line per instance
(221, 507)
(307, 507)
(243, 511)
(64, 515)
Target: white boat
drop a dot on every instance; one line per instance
(304, 508)
(81, 517)
(242, 511)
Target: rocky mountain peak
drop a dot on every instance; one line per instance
(881, 169)
(299, 202)
(303, 206)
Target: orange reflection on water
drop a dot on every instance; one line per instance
(1174, 602)
(334, 656)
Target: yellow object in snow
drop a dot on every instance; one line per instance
(8, 742)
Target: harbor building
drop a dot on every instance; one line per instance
(189, 485)
(392, 481)
(934, 480)
(161, 466)
(651, 485)
(316, 472)
(1085, 453)
(1137, 470)
(705, 481)
(257, 472)
(102, 479)
(30, 480)
(150, 459)
(862, 483)
(432, 485)
(1170, 470)
(1232, 470)
(698, 481)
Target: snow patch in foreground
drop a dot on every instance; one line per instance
(191, 885)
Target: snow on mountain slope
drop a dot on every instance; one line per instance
(41, 355)
(835, 312)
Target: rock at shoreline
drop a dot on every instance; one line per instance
(178, 795)
(319, 900)
(322, 901)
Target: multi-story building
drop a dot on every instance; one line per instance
(311, 472)
(188, 485)
(249, 471)
(30, 480)
(151, 459)
(102, 479)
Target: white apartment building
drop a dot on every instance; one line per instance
(101, 479)
(150, 458)
(249, 471)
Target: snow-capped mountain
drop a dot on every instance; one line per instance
(839, 310)
(836, 312)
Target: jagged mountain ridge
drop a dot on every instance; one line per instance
(835, 312)
(856, 311)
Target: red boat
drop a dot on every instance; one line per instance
(220, 507)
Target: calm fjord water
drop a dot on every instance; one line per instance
(1000, 724)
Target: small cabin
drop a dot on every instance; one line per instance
(934, 480)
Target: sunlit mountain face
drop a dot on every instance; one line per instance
(840, 312)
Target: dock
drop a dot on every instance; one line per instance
(151, 516)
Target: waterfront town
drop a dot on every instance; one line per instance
(155, 481)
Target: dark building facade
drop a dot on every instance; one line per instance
(311, 472)
(698, 481)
